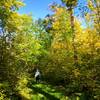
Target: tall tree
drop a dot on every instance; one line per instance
(9, 23)
(94, 14)
(70, 4)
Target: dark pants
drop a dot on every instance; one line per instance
(38, 79)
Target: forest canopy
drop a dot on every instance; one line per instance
(64, 48)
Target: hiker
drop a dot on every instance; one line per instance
(37, 76)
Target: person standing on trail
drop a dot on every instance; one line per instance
(37, 76)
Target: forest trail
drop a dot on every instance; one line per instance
(43, 91)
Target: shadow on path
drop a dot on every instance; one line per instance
(41, 91)
(47, 95)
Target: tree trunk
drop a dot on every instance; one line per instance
(73, 37)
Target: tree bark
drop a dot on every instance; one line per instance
(73, 37)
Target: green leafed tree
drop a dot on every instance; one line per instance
(70, 4)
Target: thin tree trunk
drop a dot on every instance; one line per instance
(73, 37)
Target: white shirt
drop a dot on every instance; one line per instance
(37, 73)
